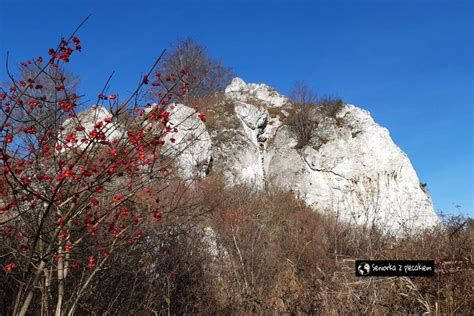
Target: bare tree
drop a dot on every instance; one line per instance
(51, 86)
(302, 123)
(187, 56)
(302, 93)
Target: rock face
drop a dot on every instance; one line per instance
(349, 166)
(88, 119)
(240, 91)
(192, 143)
(357, 172)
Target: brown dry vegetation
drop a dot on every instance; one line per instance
(283, 257)
(270, 253)
(308, 110)
(216, 107)
(304, 118)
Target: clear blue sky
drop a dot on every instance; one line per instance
(409, 62)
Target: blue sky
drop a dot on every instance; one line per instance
(409, 62)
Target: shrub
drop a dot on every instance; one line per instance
(330, 106)
(277, 255)
(302, 122)
(70, 190)
(308, 110)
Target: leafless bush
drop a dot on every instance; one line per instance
(274, 254)
(301, 93)
(308, 110)
(283, 257)
(330, 106)
(302, 123)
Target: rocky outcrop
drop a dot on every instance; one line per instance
(84, 123)
(254, 92)
(192, 143)
(357, 172)
(349, 167)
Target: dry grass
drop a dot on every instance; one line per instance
(215, 106)
(274, 255)
(283, 257)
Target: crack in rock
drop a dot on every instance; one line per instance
(324, 170)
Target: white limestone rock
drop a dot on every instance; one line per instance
(88, 119)
(240, 91)
(351, 166)
(192, 145)
(359, 174)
